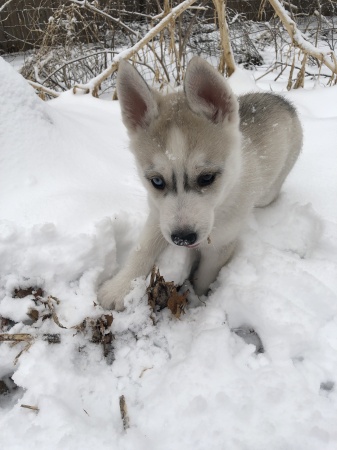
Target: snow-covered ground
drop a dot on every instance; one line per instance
(71, 207)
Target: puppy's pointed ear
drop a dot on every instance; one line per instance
(137, 102)
(208, 93)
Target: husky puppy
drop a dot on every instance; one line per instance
(206, 158)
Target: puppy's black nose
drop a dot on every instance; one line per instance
(184, 237)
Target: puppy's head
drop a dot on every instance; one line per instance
(187, 147)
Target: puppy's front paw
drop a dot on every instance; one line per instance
(111, 294)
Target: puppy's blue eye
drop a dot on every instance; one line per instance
(206, 179)
(158, 182)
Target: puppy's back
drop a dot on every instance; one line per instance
(272, 140)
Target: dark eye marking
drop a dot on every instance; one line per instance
(206, 179)
(174, 183)
(158, 182)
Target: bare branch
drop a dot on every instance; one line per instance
(72, 61)
(93, 85)
(327, 57)
(86, 4)
(44, 89)
(18, 337)
(5, 4)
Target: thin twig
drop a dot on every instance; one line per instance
(25, 349)
(86, 4)
(18, 337)
(124, 412)
(72, 61)
(33, 408)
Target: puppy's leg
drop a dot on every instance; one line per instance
(212, 259)
(139, 263)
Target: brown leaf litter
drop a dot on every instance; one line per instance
(164, 294)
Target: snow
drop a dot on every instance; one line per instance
(72, 207)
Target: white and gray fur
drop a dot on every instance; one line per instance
(215, 158)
